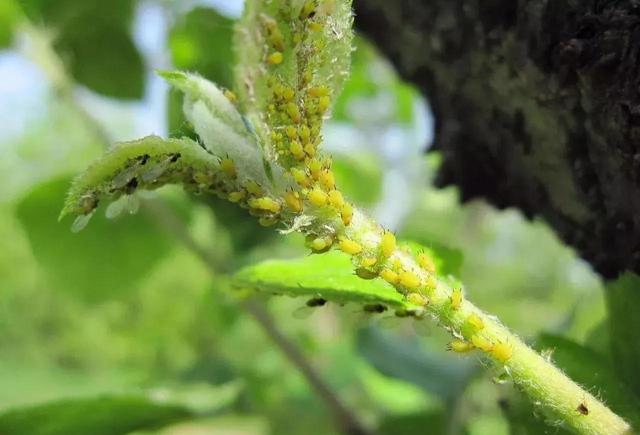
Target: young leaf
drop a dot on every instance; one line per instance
(147, 163)
(328, 276)
(218, 123)
(292, 59)
(111, 415)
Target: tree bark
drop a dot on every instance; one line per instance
(537, 106)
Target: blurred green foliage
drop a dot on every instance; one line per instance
(125, 310)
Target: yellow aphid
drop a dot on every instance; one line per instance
(390, 276)
(409, 279)
(368, 261)
(230, 96)
(296, 150)
(237, 196)
(291, 132)
(481, 343)
(293, 201)
(456, 298)
(265, 203)
(346, 213)
(501, 351)
(267, 221)
(316, 27)
(288, 94)
(304, 133)
(460, 346)
(430, 283)
(310, 149)
(417, 298)
(315, 167)
(327, 179)
(426, 262)
(276, 40)
(323, 103)
(318, 91)
(317, 197)
(307, 9)
(275, 58)
(253, 188)
(320, 244)
(228, 167)
(388, 243)
(475, 321)
(301, 177)
(336, 199)
(350, 247)
(293, 112)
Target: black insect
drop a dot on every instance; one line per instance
(582, 409)
(316, 302)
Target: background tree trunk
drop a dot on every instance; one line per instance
(537, 106)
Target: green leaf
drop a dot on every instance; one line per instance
(110, 415)
(9, 15)
(93, 38)
(623, 300)
(591, 370)
(438, 373)
(223, 131)
(95, 265)
(329, 276)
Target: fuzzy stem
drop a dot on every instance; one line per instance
(546, 385)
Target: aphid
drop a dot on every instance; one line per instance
(315, 167)
(309, 307)
(318, 91)
(126, 203)
(80, 222)
(265, 203)
(253, 188)
(293, 112)
(316, 27)
(310, 149)
(460, 346)
(368, 261)
(308, 10)
(336, 199)
(87, 203)
(291, 132)
(292, 199)
(323, 104)
(297, 150)
(300, 177)
(288, 94)
(346, 213)
(374, 308)
(304, 133)
(390, 276)
(426, 262)
(317, 197)
(350, 247)
(174, 157)
(321, 244)
(475, 322)
(237, 196)
(267, 221)
(130, 187)
(417, 299)
(228, 167)
(365, 273)
(327, 179)
(388, 243)
(455, 300)
(582, 409)
(501, 351)
(230, 96)
(409, 279)
(124, 177)
(275, 58)
(481, 343)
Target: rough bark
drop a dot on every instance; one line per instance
(537, 106)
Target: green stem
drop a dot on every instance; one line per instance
(547, 386)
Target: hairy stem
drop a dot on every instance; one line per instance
(547, 386)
